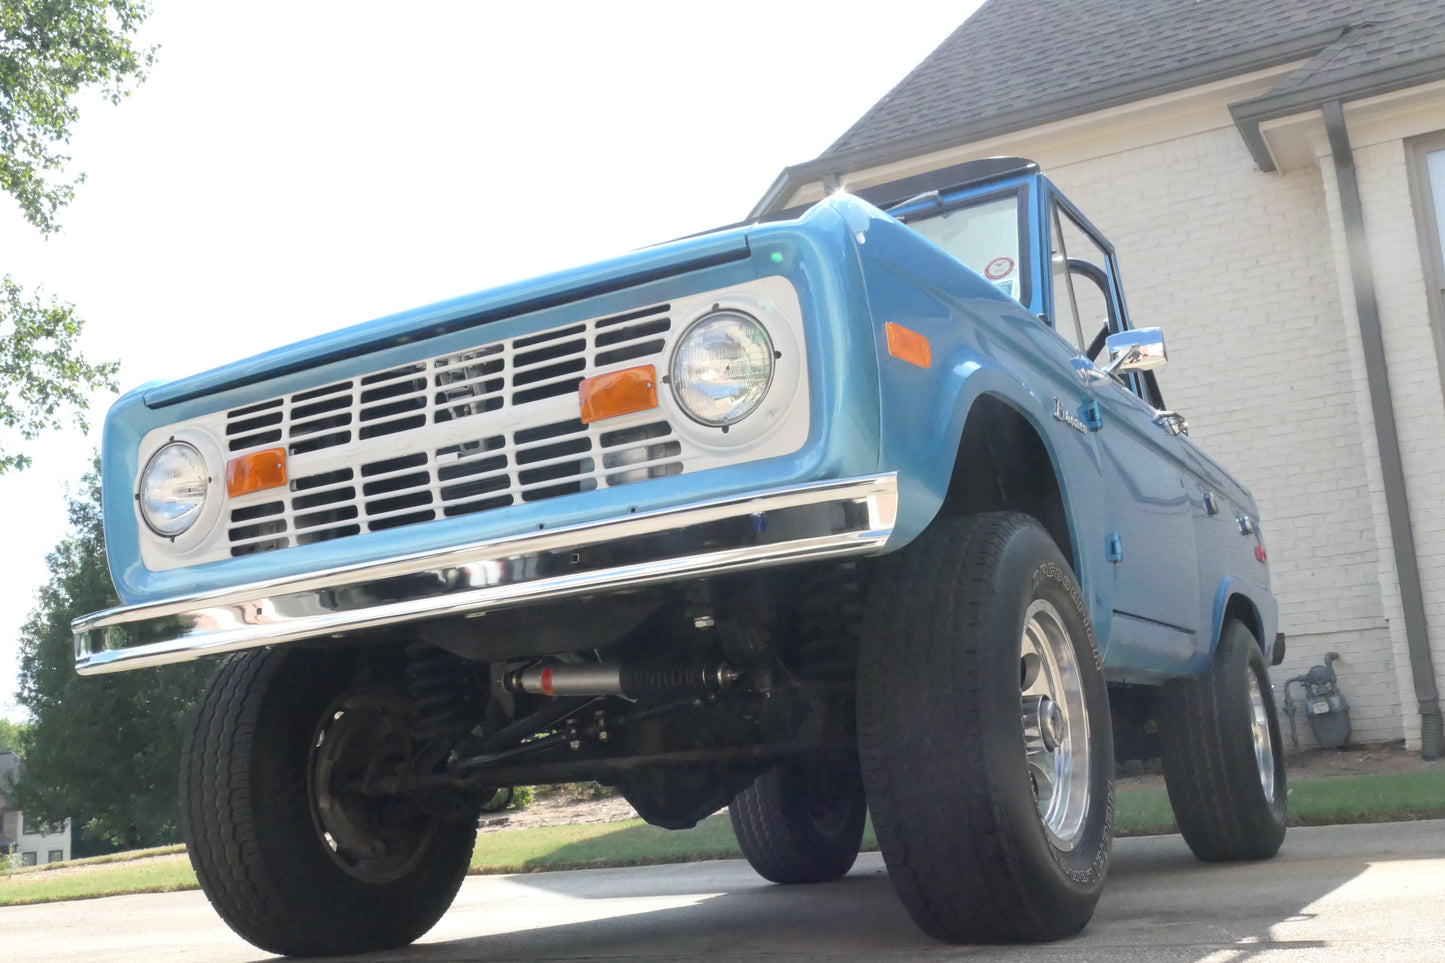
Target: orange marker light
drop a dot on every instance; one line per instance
(256, 472)
(618, 393)
(908, 345)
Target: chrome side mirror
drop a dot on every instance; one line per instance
(1138, 350)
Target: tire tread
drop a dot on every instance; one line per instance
(1208, 757)
(256, 875)
(961, 885)
(778, 836)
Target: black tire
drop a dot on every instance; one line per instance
(946, 677)
(270, 724)
(1223, 759)
(802, 821)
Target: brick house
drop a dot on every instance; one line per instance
(27, 844)
(1273, 174)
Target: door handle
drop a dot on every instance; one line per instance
(1172, 422)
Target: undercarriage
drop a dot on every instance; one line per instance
(678, 698)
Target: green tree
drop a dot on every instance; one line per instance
(42, 372)
(11, 735)
(50, 52)
(101, 750)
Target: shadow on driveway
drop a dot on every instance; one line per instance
(1330, 892)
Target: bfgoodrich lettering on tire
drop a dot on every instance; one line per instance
(984, 734)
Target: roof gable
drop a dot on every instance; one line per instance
(1017, 64)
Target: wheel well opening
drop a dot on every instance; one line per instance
(1002, 466)
(1242, 609)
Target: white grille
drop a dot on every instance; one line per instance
(485, 428)
(473, 471)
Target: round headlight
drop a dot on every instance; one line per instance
(173, 489)
(722, 368)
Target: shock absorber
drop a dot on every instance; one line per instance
(441, 688)
(631, 680)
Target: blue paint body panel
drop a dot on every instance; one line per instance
(1157, 610)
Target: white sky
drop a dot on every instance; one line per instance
(290, 168)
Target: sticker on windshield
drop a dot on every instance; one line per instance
(998, 268)
(1008, 286)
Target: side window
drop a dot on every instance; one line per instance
(1082, 307)
(1084, 312)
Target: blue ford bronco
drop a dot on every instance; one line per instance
(874, 507)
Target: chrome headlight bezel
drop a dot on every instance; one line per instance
(188, 465)
(754, 349)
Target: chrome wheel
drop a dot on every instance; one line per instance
(1055, 724)
(1263, 748)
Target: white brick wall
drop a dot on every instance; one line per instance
(1399, 280)
(1238, 268)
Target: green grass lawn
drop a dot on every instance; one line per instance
(1338, 799)
(111, 879)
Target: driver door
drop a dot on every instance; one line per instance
(1147, 504)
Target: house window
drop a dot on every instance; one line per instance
(1427, 183)
(1435, 174)
(27, 859)
(56, 856)
(34, 827)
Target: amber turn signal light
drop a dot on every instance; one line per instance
(908, 345)
(256, 472)
(618, 393)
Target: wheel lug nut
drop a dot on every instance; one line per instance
(1043, 723)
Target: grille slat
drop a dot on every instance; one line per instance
(255, 441)
(475, 466)
(630, 352)
(251, 424)
(330, 516)
(473, 487)
(558, 449)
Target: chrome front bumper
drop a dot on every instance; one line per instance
(847, 517)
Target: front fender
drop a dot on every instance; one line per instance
(982, 343)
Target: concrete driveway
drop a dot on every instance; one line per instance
(1347, 894)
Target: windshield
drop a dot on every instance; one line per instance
(983, 234)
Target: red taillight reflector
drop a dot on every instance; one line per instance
(618, 393)
(256, 472)
(908, 345)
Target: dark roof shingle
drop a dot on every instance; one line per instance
(1015, 56)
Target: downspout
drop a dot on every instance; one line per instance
(1392, 469)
